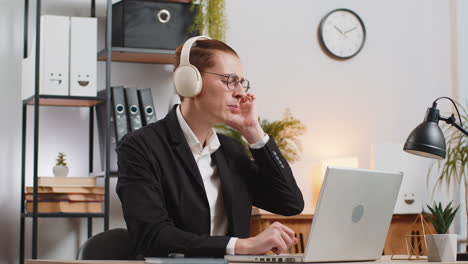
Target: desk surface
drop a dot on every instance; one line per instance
(383, 260)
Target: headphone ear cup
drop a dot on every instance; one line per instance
(187, 81)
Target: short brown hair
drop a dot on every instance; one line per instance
(202, 53)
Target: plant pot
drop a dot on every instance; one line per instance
(60, 171)
(441, 247)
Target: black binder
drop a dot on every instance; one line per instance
(148, 113)
(133, 108)
(119, 111)
(117, 100)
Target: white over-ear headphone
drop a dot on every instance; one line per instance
(187, 78)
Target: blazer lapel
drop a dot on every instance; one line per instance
(226, 185)
(182, 148)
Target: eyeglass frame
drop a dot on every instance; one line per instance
(227, 81)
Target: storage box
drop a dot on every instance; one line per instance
(83, 50)
(151, 24)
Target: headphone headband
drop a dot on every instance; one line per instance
(185, 53)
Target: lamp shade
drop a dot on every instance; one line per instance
(426, 140)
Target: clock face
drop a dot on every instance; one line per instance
(342, 33)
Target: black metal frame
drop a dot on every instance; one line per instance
(35, 215)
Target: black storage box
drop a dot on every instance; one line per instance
(151, 24)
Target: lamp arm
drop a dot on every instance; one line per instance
(434, 105)
(451, 121)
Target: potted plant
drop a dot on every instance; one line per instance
(285, 132)
(60, 169)
(210, 16)
(455, 166)
(441, 247)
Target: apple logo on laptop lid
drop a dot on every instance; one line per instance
(358, 212)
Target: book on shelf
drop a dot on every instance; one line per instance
(71, 197)
(66, 189)
(65, 207)
(67, 181)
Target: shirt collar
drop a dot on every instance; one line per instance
(212, 143)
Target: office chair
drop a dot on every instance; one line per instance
(112, 244)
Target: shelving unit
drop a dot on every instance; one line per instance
(73, 101)
(118, 54)
(152, 56)
(38, 101)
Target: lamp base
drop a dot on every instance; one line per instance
(462, 256)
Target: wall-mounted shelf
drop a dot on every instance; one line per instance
(74, 101)
(70, 215)
(152, 56)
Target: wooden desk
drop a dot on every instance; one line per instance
(394, 245)
(45, 261)
(383, 260)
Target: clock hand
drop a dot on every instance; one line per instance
(339, 30)
(347, 31)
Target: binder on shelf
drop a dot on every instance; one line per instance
(54, 47)
(118, 112)
(133, 109)
(83, 50)
(148, 113)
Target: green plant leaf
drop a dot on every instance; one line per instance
(441, 217)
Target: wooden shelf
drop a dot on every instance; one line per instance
(151, 56)
(71, 215)
(58, 100)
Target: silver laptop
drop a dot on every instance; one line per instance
(351, 220)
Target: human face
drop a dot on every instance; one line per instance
(216, 101)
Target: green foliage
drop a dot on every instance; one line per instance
(61, 159)
(454, 167)
(441, 218)
(209, 15)
(285, 132)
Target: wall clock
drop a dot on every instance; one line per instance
(342, 33)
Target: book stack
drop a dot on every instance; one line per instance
(66, 195)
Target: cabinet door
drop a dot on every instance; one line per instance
(406, 235)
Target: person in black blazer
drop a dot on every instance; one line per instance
(185, 189)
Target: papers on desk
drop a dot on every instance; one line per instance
(186, 260)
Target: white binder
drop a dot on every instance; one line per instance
(83, 53)
(54, 57)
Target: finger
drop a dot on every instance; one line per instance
(288, 230)
(287, 239)
(245, 99)
(280, 245)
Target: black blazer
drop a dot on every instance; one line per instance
(163, 196)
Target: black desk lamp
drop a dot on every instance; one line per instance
(427, 139)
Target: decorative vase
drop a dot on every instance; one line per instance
(441, 247)
(60, 171)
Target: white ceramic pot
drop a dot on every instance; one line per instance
(442, 247)
(60, 171)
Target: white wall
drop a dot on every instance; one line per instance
(379, 96)
(376, 97)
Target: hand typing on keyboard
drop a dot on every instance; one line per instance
(277, 238)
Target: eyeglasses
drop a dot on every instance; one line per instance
(233, 81)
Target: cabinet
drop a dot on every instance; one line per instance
(395, 244)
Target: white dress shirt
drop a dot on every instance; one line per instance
(210, 177)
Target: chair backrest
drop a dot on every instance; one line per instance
(112, 244)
